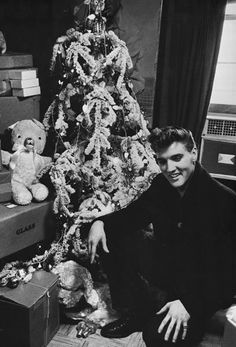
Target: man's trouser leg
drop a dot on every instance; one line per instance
(127, 286)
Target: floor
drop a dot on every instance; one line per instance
(66, 336)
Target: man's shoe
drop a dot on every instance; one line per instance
(122, 327)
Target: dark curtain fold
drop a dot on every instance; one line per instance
(188, 51)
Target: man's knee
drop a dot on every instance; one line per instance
(150, 333)
(153, 339)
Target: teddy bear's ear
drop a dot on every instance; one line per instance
(40, 125)
(13, 125)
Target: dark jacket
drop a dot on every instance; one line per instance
(194, 239)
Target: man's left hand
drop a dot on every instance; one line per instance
(176, 317)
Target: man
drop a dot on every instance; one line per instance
(194, 219)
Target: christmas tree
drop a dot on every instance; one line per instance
(104, 159)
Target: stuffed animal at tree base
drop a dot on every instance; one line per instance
(75, 282)
(26, 163)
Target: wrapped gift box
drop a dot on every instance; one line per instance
(13, 109)
(15, 60)
(30, 313)
(23, 226)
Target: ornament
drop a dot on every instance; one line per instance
(3, 282)
(99, 26)
(27, 278)
(39, 248)
(31, 269)
(13, 283)
(22, 273)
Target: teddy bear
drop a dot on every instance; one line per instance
(26, 164)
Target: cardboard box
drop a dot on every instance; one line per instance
(22, 74)
(32, 82)
(13, 109)
(5, 192)
(24, 92)
(6, 73)
(5, 176)
(30, 312)
(229, 338)
(23, 226)
(12, 60)
(5, 185)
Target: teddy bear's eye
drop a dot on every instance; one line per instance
(40, 137)
(19, 136)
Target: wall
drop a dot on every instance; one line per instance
(32, 26)
(146, 14)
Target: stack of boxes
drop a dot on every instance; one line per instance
(19, 99)
(19, 89)
(24, 82)
(34, 305)
(20, 226)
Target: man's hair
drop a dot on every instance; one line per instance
(164, 137)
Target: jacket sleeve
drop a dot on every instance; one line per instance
(134, 217)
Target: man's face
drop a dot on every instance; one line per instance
(177, 163)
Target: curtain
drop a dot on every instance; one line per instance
(188, 51)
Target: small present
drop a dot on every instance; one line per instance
(7, 74)
(24, 92)
(23, 83)
(22, 74)
(30, 312)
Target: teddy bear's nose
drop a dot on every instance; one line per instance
(29, 141)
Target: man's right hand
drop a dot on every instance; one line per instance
(96, 235)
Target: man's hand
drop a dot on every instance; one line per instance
(177, 316)
(96, 235)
